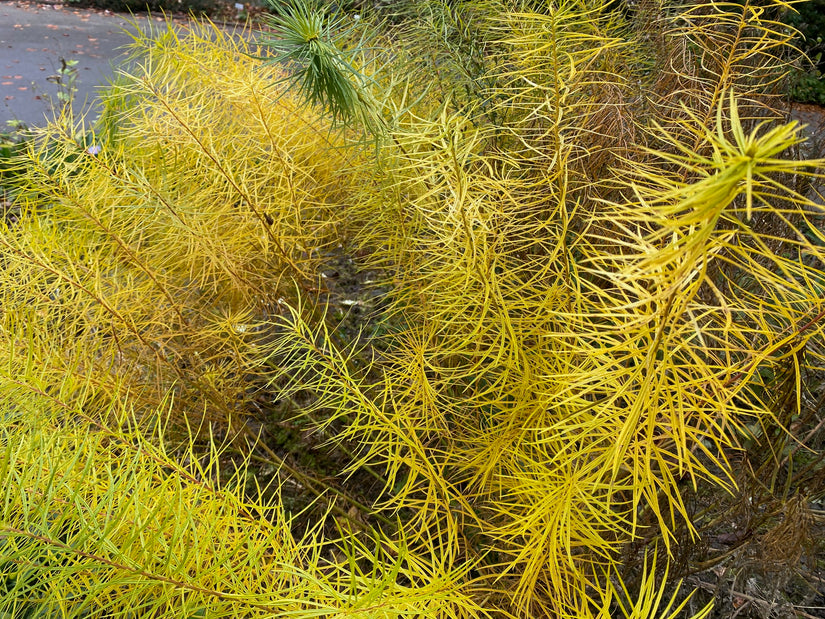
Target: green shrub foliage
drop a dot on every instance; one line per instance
(808, 18)
(601, 271)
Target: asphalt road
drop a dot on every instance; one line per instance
(35, 38)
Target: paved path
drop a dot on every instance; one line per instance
(34, 38)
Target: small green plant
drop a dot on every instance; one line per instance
(310, 42)
(66, 81)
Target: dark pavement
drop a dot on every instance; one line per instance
(33, 40)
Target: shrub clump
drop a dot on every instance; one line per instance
(596, 336)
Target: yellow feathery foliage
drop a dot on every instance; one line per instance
(597, 254)
(107, 519)
(577, 349)
(149, 256)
